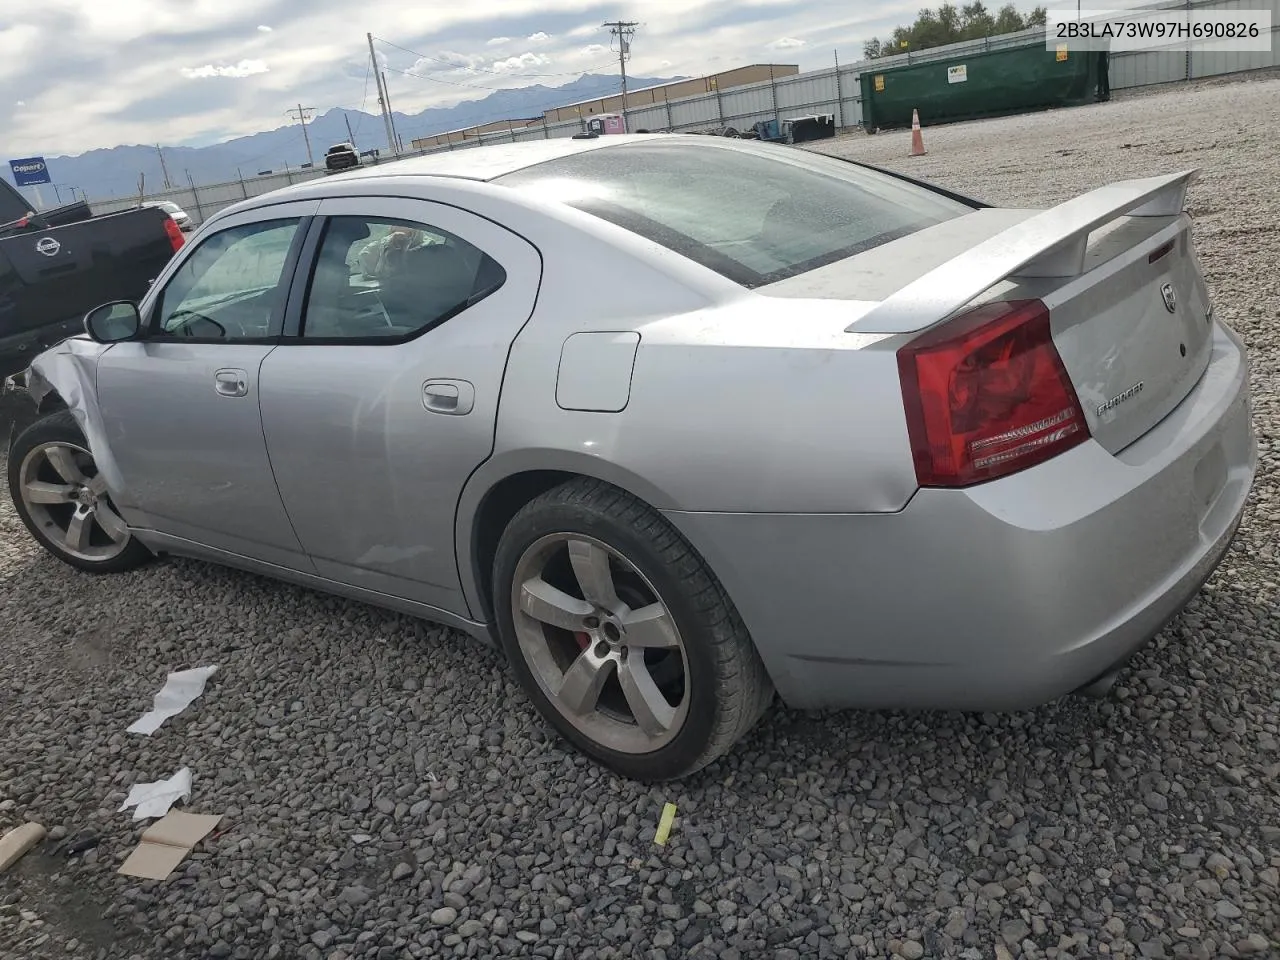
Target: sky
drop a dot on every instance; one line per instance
(82, 74)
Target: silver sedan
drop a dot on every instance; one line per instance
(680, 423)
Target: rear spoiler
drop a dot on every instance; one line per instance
(1051, 243)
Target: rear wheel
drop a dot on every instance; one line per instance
(63, 499)
(622, 636)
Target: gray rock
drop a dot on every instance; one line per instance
(1014, 932)
(354, 895)
(1253, 945)
(444, 916)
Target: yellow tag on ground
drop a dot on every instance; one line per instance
(664, 824)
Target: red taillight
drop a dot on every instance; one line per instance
(175, 234)
(987, 395)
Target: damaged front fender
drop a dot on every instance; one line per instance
(69, 372)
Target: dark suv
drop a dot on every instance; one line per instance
(341, 156)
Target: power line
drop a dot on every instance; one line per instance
(303, 114)
(363, 100)
(624, 30)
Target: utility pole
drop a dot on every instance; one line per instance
(386, 92)
(382, 100)
(164, 169)
(303, 114)
(624, 30)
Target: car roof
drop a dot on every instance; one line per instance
(494, 160)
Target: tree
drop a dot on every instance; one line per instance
(937, 28)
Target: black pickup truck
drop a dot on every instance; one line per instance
(57, 265)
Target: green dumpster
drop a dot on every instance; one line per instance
(989, 84)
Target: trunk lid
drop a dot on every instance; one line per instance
(1135, 331)
(1128, 305)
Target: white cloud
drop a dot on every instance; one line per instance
(245, 68)
(586, 30)
(540, 37)
(593, 50)
(522, 62)
(498, 41)
(262, 28)
(449, 61)
(787, 43)
(20, 103)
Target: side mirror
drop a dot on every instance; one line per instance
(113, 322)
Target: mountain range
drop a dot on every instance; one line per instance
(114, 172)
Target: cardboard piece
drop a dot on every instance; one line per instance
(17, 842)
(166, 843)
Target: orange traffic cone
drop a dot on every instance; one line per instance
(917, 138)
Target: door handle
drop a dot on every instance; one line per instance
(453, 398)
(231, 383)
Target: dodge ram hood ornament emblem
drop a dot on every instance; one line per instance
(1170, 297)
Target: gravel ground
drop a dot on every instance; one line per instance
(389, 793)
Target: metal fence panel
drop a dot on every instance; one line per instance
(695, 112)
(565, 128)
(1142, 68)
(813, 92)
(1213, 63)
(648, 118)
(754, 100)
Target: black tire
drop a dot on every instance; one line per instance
(727, 684)
(61, 427)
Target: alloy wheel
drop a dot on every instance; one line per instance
(600, 642)
(67, 501)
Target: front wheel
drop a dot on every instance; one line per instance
(63, 500)
(621, 635)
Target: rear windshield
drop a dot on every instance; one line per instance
(754, 216)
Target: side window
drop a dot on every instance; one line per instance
(230, 287)
(390, 280)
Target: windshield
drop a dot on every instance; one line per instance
(754, 216)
